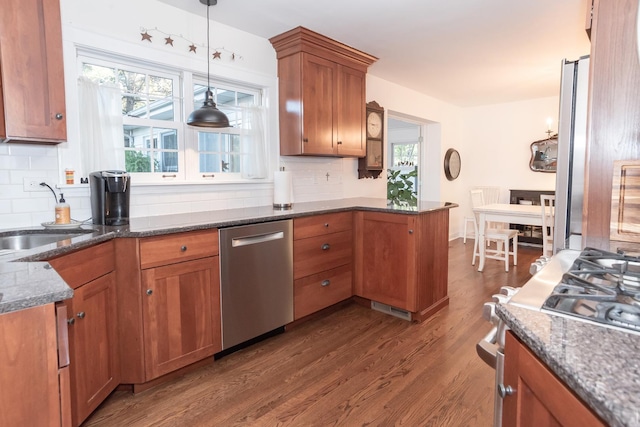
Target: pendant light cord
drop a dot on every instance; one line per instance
(208, 50)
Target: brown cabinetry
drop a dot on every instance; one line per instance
(402, 260)
(614, 110)
(322, 86)
(181, 315)
(32, 98)
(169, 296)
(537, 397)
(30, 394)
(93, 326)
(322, 261)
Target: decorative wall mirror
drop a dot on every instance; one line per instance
(544, 155)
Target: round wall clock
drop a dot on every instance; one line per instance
(452, 164)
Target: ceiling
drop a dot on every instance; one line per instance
(465, 52)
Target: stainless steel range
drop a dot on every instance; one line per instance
(600, 287)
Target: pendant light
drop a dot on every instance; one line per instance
(208, 115)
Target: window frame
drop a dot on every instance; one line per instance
(183, 104)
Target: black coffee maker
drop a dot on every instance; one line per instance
(110, 197)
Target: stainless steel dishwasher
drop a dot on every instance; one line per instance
(256, 280)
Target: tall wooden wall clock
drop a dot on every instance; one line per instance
(372, 164)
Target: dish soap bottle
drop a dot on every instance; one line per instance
(63, 211)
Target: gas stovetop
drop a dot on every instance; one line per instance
(601, 287)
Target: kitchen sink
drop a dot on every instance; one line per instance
(34, 238)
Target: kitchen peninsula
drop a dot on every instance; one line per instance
(398, 256)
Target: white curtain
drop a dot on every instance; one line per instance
(254, 153)
(101, 133)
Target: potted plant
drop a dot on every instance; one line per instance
(400, 190)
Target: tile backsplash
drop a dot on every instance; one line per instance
(313, 179)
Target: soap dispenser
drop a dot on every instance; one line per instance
(63, 211)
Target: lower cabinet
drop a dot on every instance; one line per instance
(169, 297)
(181, 315)
(322, 261)
(402, 260)
(538, 398)
(32, 383)
(93, 327)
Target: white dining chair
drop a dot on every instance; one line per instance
(502, 237)
(548, 205)
(490, 195)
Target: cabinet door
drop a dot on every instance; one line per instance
(319, 87)
(93, 344)
(29, 393)
(350, 115)
(31, 58)
(387, 259)
(181, 314)
(539, 399)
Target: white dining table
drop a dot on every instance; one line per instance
(504, 212)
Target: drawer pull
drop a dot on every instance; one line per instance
(183, 248)
(81, 315)
(325, 247)
(410, 231)
(325, 283)
(326, 224)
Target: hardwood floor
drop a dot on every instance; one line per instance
(353, 367)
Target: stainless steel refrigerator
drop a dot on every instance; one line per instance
(572, 140)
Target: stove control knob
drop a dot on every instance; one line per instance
(489, 312)
(509, 290)
(501, 298)
(535, 267)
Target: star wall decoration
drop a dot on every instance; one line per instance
(218, 53)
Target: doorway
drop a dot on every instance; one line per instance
(404, 138)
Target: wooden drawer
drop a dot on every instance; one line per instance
(318, 291)
(320, 225)
(169, 249)
(85, 265)
(317, 254)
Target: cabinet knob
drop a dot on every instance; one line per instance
(149, 291)
(59, 116)
(325, 247)
(339, 142)
(71, 321)
(326, 224)
(305, 139)
(504, 391)
(81, 315)
(410, 231)
(325, 283)
(183, 248)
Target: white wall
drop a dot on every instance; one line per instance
(496, 147)
(506, 129)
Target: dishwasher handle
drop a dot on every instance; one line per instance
(253, 240)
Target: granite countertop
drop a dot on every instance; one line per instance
(21, 287)
(601, 365)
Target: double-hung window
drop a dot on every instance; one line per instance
(158, 145)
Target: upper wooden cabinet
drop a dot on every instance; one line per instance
(32, 100)
(322, 86)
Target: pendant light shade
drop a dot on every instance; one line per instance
(208, 115)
